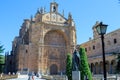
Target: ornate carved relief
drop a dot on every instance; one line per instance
(54, 38)
(55, 46)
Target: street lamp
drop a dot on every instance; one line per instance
(101, 29)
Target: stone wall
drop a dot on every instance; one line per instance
(94, 51)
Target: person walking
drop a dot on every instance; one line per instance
(32, 77)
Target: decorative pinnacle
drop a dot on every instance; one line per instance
(70, 16)
(63, 13)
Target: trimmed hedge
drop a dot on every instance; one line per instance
(69, 66)
(84, 66)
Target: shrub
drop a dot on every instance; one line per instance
(69, 66)
(84, 66)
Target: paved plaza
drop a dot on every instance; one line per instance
(25, 79)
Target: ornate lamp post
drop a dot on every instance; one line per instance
(101, 29)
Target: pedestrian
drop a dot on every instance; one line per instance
(32, 77)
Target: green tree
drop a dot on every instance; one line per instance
(1, 49)
(2, 59)
(84, 66)
(118, 64)
(2, 62)
(69, 66)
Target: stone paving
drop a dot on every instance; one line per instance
(26, 78)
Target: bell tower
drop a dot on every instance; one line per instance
(53, 7)
(95, 33)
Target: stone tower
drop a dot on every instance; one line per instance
(44, 41)
(95, 33)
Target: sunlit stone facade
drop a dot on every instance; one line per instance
(93, 48)
(44, 41)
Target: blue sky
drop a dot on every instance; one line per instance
(85, 13)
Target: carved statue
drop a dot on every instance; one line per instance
(75, 61)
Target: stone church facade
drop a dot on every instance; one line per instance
(43, 42)
(45, 39)
(93, 49)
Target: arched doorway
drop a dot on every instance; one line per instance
(53, 69)
(96, 68)
(113, 64)
(101, 67)
(93, 68)
(107, 67)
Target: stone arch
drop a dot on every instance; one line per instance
(112, 68)
(92, 67)
(56, 42)
(107, 66)
(53, 69)
(55, 48)
(96, 68)
(101, 67)
(52, 34)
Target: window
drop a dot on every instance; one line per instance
(54, 8)
(93, 47)
(86, 49)
(115, 41)
(26, 51)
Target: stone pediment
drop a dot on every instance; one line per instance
(54, 18)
